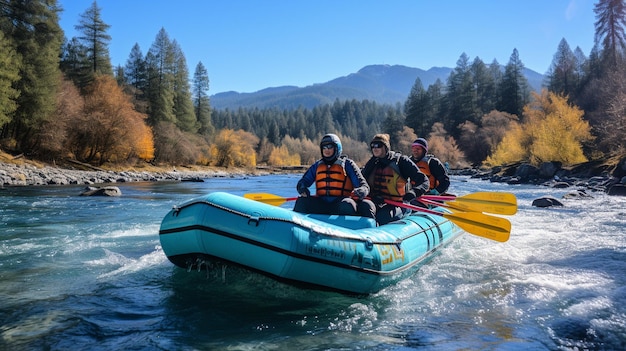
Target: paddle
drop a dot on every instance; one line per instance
(482, 201)
(269, 198)
(480, 224)
(490, 227)
(490, 202)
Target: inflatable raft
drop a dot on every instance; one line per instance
(344, 253)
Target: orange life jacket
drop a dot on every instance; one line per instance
(388, 182)
(425, 168)
(332, 180)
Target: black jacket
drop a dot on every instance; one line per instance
(408, 171)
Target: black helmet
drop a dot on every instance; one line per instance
(331, 139)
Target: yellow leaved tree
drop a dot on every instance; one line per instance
(234, 148)
(552, 130)
(280, 156)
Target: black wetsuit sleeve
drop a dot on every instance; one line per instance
(438, 170)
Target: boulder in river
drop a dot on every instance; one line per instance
(617, 189)
(103, 191)
(546, 201)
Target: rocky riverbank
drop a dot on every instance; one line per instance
(27, 174)
(607, 175)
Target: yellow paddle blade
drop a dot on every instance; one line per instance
(491, 202)
(490, 227)
(269, 199)
(502, 209)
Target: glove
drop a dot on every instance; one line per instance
(303, 190)
(432, 192)
(418, 192)
(378, 200)
(410, 195)
(360, 193)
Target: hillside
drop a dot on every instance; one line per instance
(384, 84)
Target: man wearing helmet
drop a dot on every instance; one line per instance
(338, 181)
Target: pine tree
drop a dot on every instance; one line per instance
(75, 62)
(201, 102)
(514, 90)
(183, 106)
(561, 76)
(273, 133)
(136, 76)
(160, 90)
(95, 39)
(485, 85)
(495, 69)
(324, 124)
(460, 96)
(581, 68)
(436, 98)
(610, 29)
(37, 37)
(602, 89)
(9, 74)
(394, 125)
(416, 109)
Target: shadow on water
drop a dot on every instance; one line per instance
(219, 309)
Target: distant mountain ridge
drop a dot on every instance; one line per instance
(384, 84)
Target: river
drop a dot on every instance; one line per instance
(88, 273)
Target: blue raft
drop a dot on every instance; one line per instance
(344, 253)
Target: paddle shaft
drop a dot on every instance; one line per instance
(270, 199)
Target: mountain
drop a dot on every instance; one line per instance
(384, 84)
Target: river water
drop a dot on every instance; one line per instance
(88, 273)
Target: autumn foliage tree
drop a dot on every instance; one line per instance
(308, 151)
(280, 156)
(109, 129)
(234, 148)
(479, 140)
(444, 147)
(552, 130)
(405, 138)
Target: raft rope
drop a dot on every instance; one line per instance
(368, 241)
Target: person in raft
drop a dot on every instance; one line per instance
(388, 173)
(431, 166)
(340, 187)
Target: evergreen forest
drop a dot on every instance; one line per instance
(61, 98)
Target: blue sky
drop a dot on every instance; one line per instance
(255, 44)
